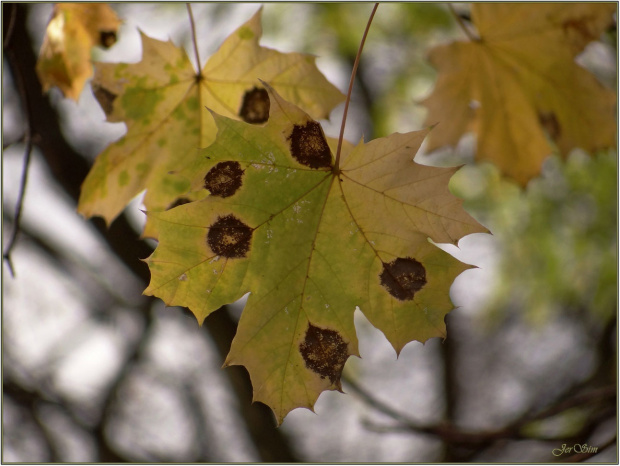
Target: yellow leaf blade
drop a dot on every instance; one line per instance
(519, 89)
(64, 59)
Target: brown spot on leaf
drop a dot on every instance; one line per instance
(309, 146)
(551, 124)
(579, 27)
(104, 97)
(403, 277)
(324, 352)
(224, 179)
(107, 39)
(255, 106)
(229, 237)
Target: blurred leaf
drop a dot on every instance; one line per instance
(518, 85)
(64, 59)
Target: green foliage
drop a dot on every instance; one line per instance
(558, 238)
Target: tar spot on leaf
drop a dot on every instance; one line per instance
(403, 277)
(104, 97)
(229, 237)
(224, 179)
(309, 146)
(324, 352)
(551, 124)
(255, 106)
(107, 39)
(578, 27)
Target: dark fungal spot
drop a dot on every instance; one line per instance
(178, 202)
(324, 352)
(107, 39)
(104, 97)
(403, 278)
(255, 106)
(551, 124)
(224, 179)
(578, 27)
(309, 146)
(229, 237)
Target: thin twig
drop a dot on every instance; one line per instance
(348, 99)
(459, 20)
(6, 145)
(195, 42)
(594, 395)
(454, 435)
(6, 255)
(10, 27)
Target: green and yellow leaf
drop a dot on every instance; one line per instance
(164, 102)
(310, 243)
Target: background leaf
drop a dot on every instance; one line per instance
(64, 59)
(518, 87)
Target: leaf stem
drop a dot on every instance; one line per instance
(459, 20)
(195, 42)
(348, 99)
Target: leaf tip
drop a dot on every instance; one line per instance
(432, 127)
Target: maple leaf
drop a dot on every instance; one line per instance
(163, 101)
(519, 85)
(310, 243)
(75, 28)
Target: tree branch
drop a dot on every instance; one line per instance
(453, 435)
(18, 78)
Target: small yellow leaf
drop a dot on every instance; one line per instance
(518, 87)
(64, 59)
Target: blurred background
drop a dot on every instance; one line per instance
(95, 372)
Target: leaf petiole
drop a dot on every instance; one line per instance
(461, 23)
(336, 169)
(195, 42)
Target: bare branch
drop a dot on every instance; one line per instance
(451, 434)
(9, 30)
(21, 87)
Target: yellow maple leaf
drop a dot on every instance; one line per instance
(518, 87)
(64, 59)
